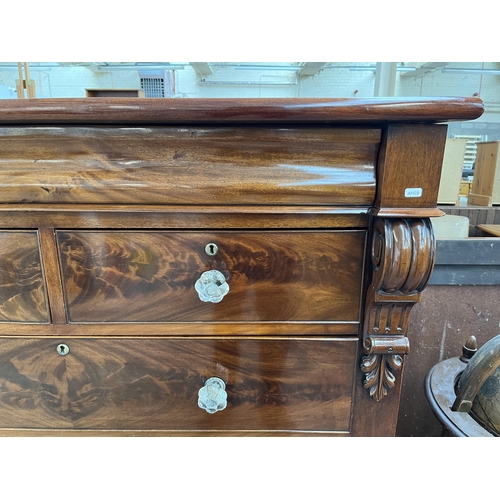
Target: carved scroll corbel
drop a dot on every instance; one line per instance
(402, 259)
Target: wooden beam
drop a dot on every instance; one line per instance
(25, 83)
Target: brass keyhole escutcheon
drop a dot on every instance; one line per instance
(62, 349)
(211, 249)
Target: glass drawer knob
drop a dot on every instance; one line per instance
(212, 397)
(211, 286)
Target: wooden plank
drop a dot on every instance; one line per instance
(172, 165)
(477, 199)
(493, 229)
(487, 171)
(450, 186)
(481, 217)
(189, 111)
(490, 217)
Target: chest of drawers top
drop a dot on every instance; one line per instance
(237, 152)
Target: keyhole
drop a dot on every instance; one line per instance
(62, 349)
(211, 249)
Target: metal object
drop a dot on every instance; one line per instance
(464, 393)
(212, 286)
(482, 366)
(211, 249)
(212, 397)
(62, 349)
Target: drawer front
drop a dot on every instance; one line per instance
(22, 289)
(271, 276)
(189, 165)
(153, 384)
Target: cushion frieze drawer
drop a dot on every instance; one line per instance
(154, 384)
(189, 165)
(22, 288)
(167, 276)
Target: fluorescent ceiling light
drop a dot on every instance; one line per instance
(265, 68)
(229, 83)
(128, 67)
(471, 71)
(373, 68)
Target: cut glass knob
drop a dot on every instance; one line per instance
(212, 397)
(211, 286)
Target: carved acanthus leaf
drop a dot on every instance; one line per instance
(379, 378)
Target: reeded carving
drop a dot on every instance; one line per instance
(403, 252)
(402, 257)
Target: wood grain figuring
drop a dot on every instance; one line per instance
(169, 217)
(22, 292)
(52, 273)
(231, 111)
(192, 165)
(273, 276)
(125, 194)
(411, 156)
(153, 384)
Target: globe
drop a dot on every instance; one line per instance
(485, 364)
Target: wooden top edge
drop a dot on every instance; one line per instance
(124, 110)
(407, 212)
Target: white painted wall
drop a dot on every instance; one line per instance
(70, 81)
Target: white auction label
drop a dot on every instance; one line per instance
(413, 192)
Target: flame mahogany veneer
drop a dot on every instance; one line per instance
(319, 209)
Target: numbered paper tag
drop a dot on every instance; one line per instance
(413, 192)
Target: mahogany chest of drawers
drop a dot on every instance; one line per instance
(215, 267)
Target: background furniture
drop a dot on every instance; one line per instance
(450, 186)
(214, 267)
(485, 188)
(114, 93)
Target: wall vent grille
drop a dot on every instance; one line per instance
(153, 87)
